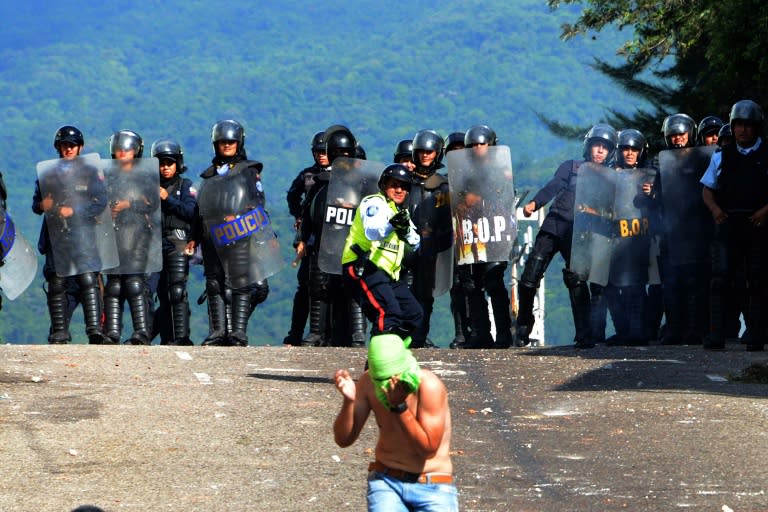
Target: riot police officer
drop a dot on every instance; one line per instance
(479, 279)
(381, 234)
(736, 192)
(709, 130)
(177, 205)
(134, 201)
(296, 198)
(404, 154)
(625, 294)
(459, 310)
(68, 188)
(431, 215)
(555, 236)
(231, 295)
(686, 232)
(333, 317)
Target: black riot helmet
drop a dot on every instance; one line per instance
(169, 149)
(318, 143)
(398, 172)
(603, 133)
(427, 140)
(725, 135)
(360, 153)
(480, 134)
(708, 126)
(454, 141)
(403, 151)
(68, 134)
(339, 141)
(631, 138)
(228, 129)
(677, 124)
(126, 140)
(747, 111)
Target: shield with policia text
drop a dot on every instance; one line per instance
(236, 221)
(351, 180)
(687, 223)
(78, 218)
(133, 190)
(482, 204)
(19, 260)
(593, 222)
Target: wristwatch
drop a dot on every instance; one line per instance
(399, 408)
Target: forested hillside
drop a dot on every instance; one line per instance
(287, 70)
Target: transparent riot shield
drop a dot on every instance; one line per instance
(351, 180)
(631, 247)
(593, 222)
(432, 218)
(482, 204)
(77, 216)
(133, 189)
(19, 261)
(237, 223)
(687, 223)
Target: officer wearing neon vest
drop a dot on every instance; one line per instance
(380, 235)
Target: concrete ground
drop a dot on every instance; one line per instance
(249, 429)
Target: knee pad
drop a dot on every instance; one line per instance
(212, 287)
(56, 285)
(133, 286)
(113, 287)
(87, 280)
(572, 279)
(259, 292)
(533, 271)
(177, 293)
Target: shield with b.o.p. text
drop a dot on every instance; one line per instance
(482, 203)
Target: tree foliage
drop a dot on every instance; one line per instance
(692, 56)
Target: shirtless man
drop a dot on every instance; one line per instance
(413, 469)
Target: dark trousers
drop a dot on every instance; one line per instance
(389, 305)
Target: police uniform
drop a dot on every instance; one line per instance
(372, 261)
(555, 236)
(178, 210)
(738, 178)
(79, 242)
(231, 297)
(296, 198)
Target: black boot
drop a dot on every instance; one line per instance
(90, 297)
(113, 311)
(241, 312)
(580, 307)
(137, 301)
(357, 324)
(217, 321)
(318, 324)
(57, 309)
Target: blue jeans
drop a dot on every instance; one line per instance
(387, 494)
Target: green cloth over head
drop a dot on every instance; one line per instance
(387, 357)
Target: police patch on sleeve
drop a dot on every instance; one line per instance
(372, 210)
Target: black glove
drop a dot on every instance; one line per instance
(401, 222)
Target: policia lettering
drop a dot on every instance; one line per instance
(339, 215)
(8, 237)
(239, 228)
(480, 230)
